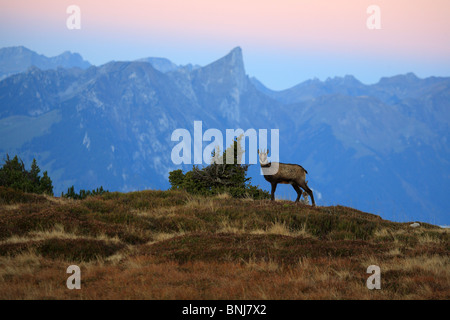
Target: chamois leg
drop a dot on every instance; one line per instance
(274, 187)
(309, 191)
(299, 192)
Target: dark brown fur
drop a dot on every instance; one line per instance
(293, 174)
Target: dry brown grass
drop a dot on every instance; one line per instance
(142, 277)
(169, 245)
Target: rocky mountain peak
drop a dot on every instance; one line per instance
(228, 71)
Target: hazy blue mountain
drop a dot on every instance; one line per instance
(311, 89)
(165, 65)
(161, 64)
(384, 159)
(108, 125)
(18, 59)
(389, 89)
(382, 148)
(390, 141)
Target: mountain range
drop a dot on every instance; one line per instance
(18, 59)
(381, 148)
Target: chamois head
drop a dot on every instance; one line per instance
(263, 157)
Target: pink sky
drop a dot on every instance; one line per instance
(413, 29)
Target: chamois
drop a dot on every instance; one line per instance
(293, 174)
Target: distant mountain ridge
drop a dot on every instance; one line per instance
(388, 89)
(165, 65)
(15, 60)
(381, 148)
(18, 59)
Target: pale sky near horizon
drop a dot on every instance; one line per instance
(284, 42)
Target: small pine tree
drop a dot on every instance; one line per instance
(34, 174)
(226, 173)
(45, 185)
(14, 175)
(82, 194)
(176, 178)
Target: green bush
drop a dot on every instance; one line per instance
(83, 194)
(14, 175)
(218, 177)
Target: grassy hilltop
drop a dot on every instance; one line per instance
(172, 245)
